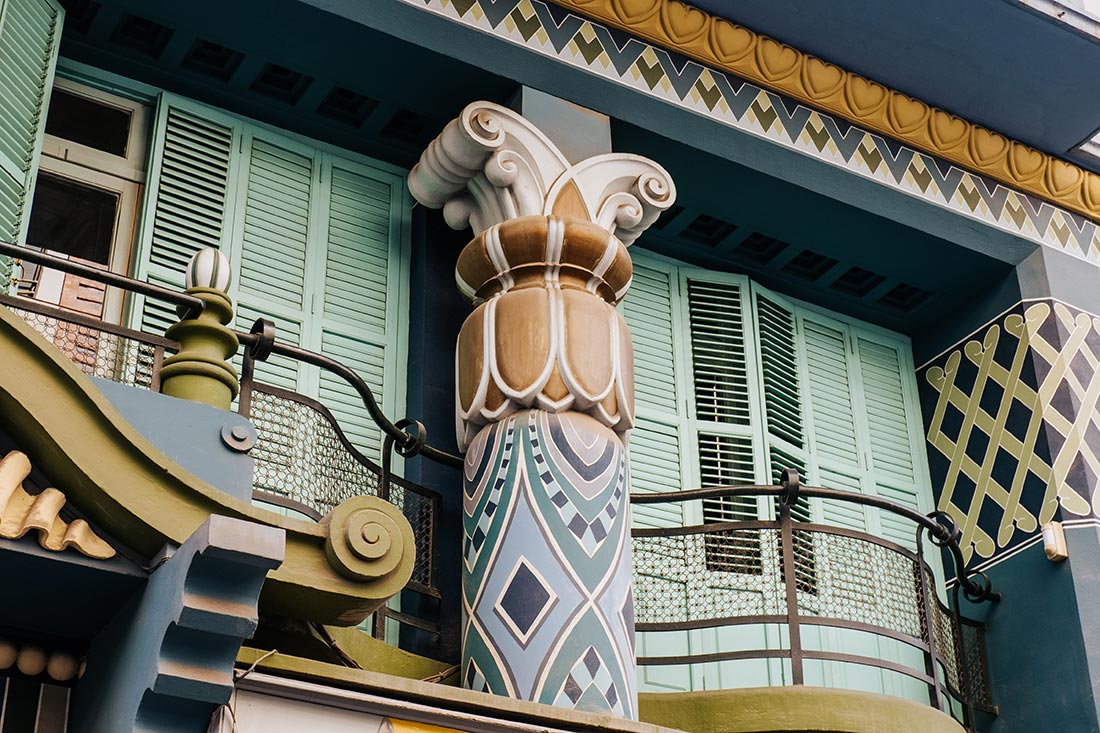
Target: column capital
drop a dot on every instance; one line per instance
(490, 165)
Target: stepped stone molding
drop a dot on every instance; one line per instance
(929, 162)
(166, 661)
(21, 512)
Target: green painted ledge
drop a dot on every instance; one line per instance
(298, 639)
(444, 697)
(791, 710)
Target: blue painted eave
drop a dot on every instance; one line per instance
(1017, 67)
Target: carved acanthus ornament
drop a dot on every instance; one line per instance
(545, 269)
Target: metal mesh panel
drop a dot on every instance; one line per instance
(96, 352)
(860, 581)
(300, 455)
(947, 644)
(972, 663)
(674, 583)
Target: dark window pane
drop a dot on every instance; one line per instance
(88, 122)
(72, 218)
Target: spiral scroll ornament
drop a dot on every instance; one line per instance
(370, 540)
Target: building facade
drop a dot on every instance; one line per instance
(770, 353)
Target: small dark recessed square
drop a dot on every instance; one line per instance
(666, 217)
(213, 60)
(809, 265)
(141, 36)
(707, 230)
(758, 250)
(857, 281)
(407, 128)
(905, 297)
(280, 83)
(79, 15)
(344, 105)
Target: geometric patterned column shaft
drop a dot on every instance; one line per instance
(545, 395)
(547, 604)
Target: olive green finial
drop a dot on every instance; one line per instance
(201, 371)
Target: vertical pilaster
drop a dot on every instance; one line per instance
(545, 396)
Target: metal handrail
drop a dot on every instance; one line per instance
(261, 343)
(74, 267)
(940, 529)
(938, 524)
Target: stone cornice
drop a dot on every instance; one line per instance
(134, 493)
(732, 48)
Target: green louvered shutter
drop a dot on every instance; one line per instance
(315, 240)
(834, 447)
(271, 255)
(893, 440)
(360, 302)
(657, 458)
(30, 33)
(657, 441)
(721, 386)
(187, 202)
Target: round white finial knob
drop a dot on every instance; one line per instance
(209, 268)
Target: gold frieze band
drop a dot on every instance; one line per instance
(729, 47)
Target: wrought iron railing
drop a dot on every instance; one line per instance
(303, 460)
(798, 577)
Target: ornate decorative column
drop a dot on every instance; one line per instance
(545, 398)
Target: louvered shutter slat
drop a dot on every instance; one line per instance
(368, 360)
(276, 226)
(655, 452)
(830, 393)
(779, 367)
(189, 212)
(718, 352)
(357, 297)
(30, 32)
(888, 423)
(648, 312)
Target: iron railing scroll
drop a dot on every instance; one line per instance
(304, 461)
(803, 577)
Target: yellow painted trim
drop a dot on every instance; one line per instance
(397, 725)
(22, 512)
(729, 47)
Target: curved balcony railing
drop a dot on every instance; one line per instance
(304, 462)
(783, 581)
